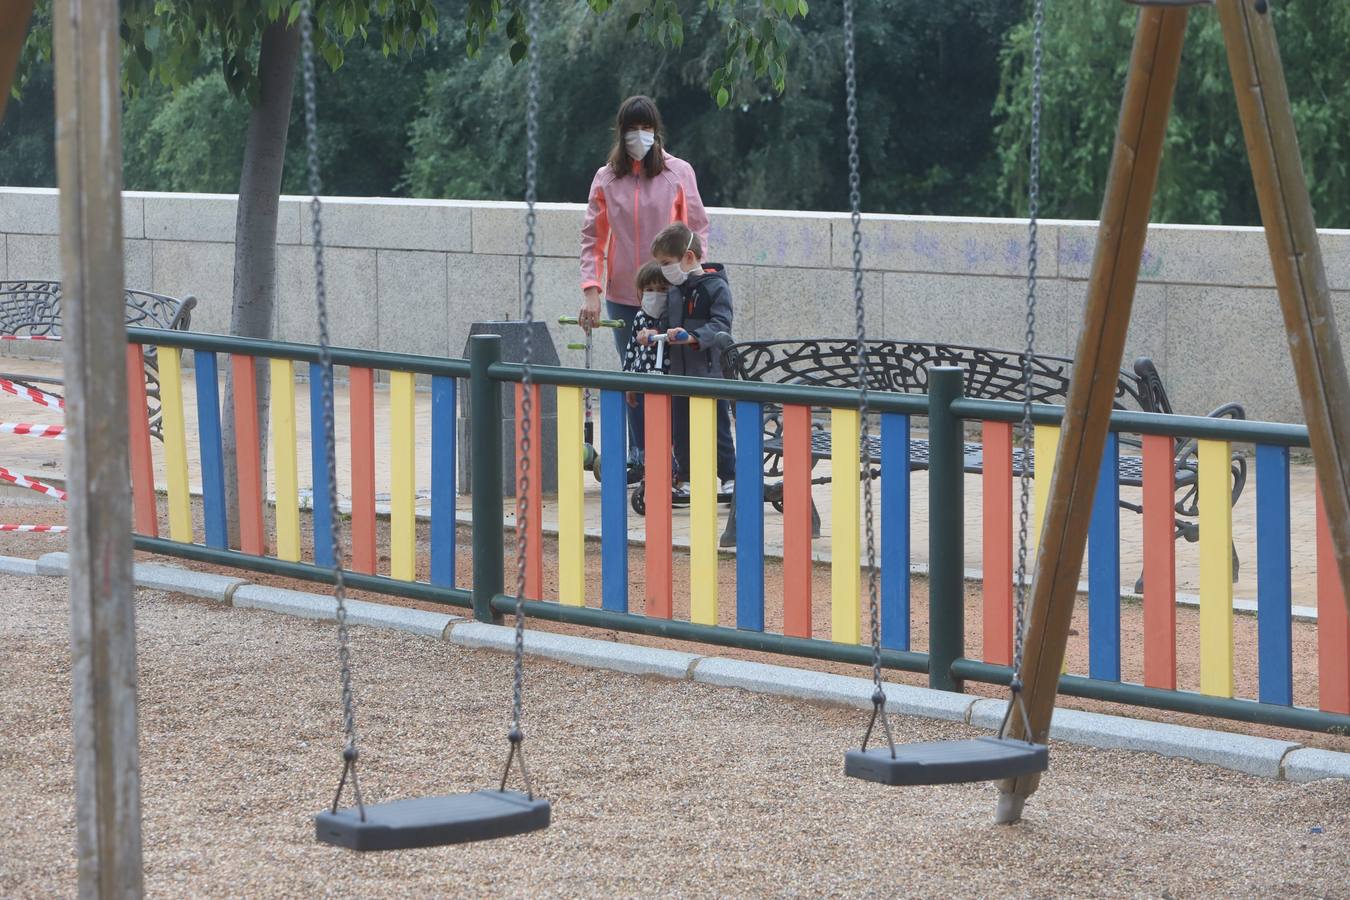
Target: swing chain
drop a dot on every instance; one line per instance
(1025, 429)
(859, 307)
(350, 754)
(516, 736)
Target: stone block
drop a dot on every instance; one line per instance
(17, 565)
(133, 216)
(739, 237)
(4, 257)
(801, 303)
(482, 288)
(395, 224)
(413, 302)
(30, 210)
(398, 618)
(1335, 245)
(941, 245)
(183, 581)
(802, 684)
(196, 217)
(353, 315)
(577, 651)
(974, 311)
(138, 262)
(1211, 328)
(1309, 764)
(291, 603)
(204, 270)
(33, 257)
(499, 228)
(558, 293)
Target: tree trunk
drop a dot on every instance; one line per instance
(255, 233)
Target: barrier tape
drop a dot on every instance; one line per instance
(32, 394)
(30, 429)
(29, 337)
(35, 529)
(41, 487)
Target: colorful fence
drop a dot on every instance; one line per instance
(634, 591)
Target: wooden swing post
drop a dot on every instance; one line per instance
(1286, 213)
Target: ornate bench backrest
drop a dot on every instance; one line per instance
(34, 308)
(902, 367)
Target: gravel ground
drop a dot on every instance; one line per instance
(659, 788)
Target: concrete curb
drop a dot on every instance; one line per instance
(627, 658)
(1262, 757)
(1240, 752)
(1310, 764)
(205, 585)
(17, 565)
(805, 684)
(53, 564)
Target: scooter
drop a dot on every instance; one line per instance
(590, 459)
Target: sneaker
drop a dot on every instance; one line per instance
(636, 473)
(679, 496)
(728, 487)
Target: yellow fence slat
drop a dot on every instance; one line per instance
(571, 499)
(845, 616)
(703, 510)
(402, 480)
(284, 459)
(1216, 570)
(175, 442)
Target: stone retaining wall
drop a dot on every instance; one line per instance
(411, 275)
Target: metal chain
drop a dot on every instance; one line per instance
(1028, 357)
(859, 308)
(349, 750)
(516, 736)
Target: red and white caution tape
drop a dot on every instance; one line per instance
(34, 529)
(18, 480)
(32, 394)
(29, 337)
(56, 432)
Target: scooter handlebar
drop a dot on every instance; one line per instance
(603, 323)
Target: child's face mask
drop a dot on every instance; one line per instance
(654, 303)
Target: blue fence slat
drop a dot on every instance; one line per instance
(213, 457)
(895, 531)
(1273, 591)
(613, 502)
(318, 449)
(1104, 568)
(443, 464)
(749, 516)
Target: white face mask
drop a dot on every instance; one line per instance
(637, 142)
(654, 303)
(674, 273)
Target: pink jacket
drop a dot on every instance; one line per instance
(624, 215)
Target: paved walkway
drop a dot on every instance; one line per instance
(43, 458)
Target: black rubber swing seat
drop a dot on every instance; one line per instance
(948, 762)
(434, 821)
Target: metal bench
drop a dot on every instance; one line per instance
(902, 366)
(33, 308)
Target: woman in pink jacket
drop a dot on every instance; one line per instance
(639, 191)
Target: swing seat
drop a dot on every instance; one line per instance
(433, 821)
(948, 762)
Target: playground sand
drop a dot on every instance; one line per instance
(659, 788)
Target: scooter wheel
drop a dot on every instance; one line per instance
(595, 467)
(639, 501)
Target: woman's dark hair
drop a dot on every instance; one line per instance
(635, 111)
(650, 276)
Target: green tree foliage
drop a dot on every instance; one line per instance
(1204, 177)
(928, 75)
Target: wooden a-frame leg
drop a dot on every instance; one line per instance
(1154, 63)
(1300, 278)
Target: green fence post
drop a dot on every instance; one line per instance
(946, 528)
(485, 443)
